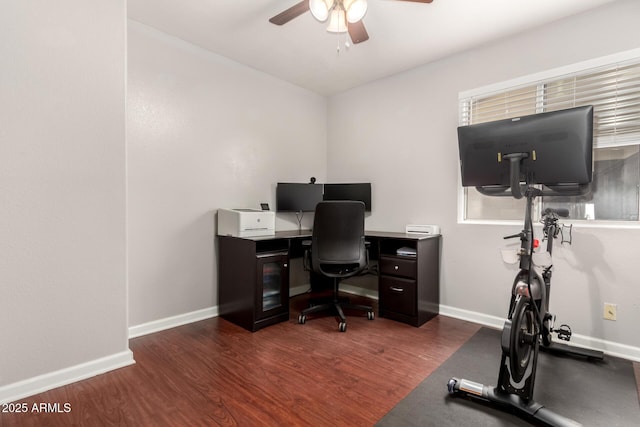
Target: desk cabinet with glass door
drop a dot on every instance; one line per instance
(253, 281)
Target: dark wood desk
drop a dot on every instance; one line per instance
(253, 276)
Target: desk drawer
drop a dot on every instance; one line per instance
(398, 266)
(398, 295)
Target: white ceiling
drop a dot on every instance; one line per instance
(403, 34)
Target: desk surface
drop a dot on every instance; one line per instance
(293, 234)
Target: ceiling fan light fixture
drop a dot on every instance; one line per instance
(337, 21)
(356, 9)
(320, 9)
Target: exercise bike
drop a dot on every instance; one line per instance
(529, 327)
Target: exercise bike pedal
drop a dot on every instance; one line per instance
(564, 332)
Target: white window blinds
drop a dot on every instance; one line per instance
(613, 90)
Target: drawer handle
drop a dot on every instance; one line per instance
(394, 289)
(395, 267)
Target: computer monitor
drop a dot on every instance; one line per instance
(553, 149)
(297, 197)
(352, 191)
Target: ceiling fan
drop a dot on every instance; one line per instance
(343, 15)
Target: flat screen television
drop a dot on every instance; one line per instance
(553, 149)
(297, 197)
(353, 191)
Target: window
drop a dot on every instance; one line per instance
(614, 91)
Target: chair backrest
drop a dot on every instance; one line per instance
(338, 242)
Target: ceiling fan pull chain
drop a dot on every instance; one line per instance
(347, 45)
(342, 39)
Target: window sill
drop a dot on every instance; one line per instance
(621, 225)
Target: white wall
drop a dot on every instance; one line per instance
(400, 133)
(62, 192)
(203, 133)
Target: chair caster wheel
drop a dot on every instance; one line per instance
(342, 327)
(370, 315)
(301, 319)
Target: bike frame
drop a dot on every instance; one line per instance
(529, 284)
(528, 281)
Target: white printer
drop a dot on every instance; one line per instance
(246, 222)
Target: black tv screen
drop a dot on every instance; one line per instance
(557, 148)
(353, 191)
(297, 197)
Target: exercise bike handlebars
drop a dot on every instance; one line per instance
(564, 213)
(550, 213)
(513, 236)
(518, 189)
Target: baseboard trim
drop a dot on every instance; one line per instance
(472, 316)
(172, 322)
(299, 290)
(344, 287)
(42, 383)
(356, 290)
(607, 347)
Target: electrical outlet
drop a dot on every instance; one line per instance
(610, 311)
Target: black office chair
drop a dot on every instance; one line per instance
(338, 251)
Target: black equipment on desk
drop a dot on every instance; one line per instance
(297, 197)
(360, 192)
(303, 197)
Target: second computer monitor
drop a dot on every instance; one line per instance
(352, 191)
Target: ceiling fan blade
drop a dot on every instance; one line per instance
(357, 32)
(293, 12)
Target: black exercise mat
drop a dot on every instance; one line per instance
(592, 393)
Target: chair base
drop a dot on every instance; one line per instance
(337, 307)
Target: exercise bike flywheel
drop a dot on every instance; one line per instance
(523, 338)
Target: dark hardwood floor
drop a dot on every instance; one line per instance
(215, 373)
